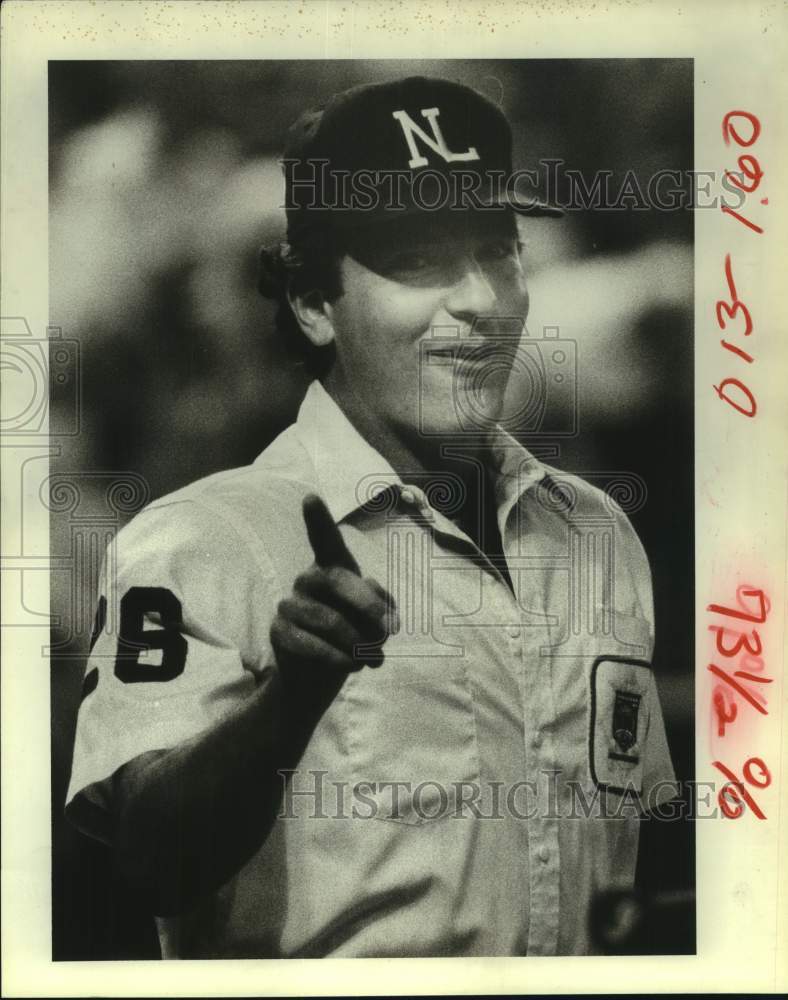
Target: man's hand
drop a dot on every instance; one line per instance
(320, 629)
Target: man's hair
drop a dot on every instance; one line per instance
(285, 268)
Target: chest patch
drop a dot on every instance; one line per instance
(618, 722)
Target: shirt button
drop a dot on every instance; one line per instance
(408, 496)
(514, 631)
(544, 855)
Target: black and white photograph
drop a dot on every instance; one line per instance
(394, 515)
(391, 362)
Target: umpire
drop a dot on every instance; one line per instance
(386, 691)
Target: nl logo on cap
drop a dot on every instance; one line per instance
(437, 143)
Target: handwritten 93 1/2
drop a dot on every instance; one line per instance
(738, 644)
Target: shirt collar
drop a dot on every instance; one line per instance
(350, 472)
(515, 471)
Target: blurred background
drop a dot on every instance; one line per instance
(164, 182)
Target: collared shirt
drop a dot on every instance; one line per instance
(469, 796)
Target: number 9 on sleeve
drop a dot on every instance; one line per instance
(136, 604)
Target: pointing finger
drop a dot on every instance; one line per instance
(325, 538)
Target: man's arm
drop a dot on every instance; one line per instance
(186, 819)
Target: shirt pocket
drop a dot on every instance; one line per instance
(410, 735)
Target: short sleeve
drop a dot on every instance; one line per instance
(634, 594)
(181, 631)
(659, 778)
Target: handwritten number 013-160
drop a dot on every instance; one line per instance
(743, 128)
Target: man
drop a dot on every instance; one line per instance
(386, 691)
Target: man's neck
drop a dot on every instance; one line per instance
(414, 457)
(458, 472)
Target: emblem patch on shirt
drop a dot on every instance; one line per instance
(625, 723)
(618, 722)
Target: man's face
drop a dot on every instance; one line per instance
(427, 327)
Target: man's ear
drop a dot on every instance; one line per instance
(313, 315)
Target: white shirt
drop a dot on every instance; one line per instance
(481, 693)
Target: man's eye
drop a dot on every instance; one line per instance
(497, 250)
(412, 260)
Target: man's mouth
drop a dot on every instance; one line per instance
(460, 352)
(471, 357)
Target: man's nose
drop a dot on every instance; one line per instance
(472, 293)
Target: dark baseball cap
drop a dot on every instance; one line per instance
(379, 152)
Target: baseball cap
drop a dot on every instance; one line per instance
(383, 151)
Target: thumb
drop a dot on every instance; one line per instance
(325, 538)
